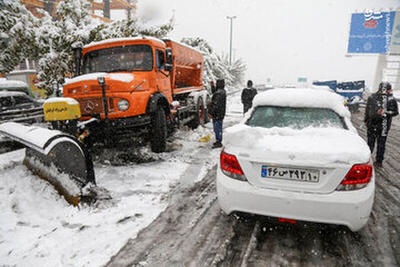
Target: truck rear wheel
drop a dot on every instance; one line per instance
(199, 116)
(159, 131)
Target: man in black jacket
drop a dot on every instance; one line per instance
(380, 109)
(217, 111)
(247, 96)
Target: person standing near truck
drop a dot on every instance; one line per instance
(380, 109)
(247, 96)
(212, 86)
(217, 111)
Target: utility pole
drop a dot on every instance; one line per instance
(230, 47)
(128, 10)
(106, 10)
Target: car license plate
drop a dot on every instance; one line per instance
(305, 175)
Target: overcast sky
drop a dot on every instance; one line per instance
(277, 39)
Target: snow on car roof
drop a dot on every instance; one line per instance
(4, 83)
(302, 97)
(10, 93)
(124, 39)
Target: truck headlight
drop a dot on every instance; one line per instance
(123, 105)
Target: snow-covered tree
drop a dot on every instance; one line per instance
(57, 37)
(51, 41)
(216, 66)
(17, 35)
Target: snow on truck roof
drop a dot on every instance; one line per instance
(302, 97)
(124, 39)
(140, 38)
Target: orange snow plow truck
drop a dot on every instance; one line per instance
(133, 87)
(123, 89)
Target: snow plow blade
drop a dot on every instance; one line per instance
(55, 157)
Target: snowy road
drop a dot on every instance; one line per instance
(165, 212)
(39, 228)
(192, 231)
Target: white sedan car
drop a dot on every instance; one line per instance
(297, 156)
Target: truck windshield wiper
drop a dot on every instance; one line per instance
(116, 70)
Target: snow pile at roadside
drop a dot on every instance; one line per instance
(320, 145)
(39, 228)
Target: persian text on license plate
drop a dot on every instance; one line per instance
(306, 175)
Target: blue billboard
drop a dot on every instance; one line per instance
(370, 33)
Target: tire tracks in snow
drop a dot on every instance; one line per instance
(382, 232)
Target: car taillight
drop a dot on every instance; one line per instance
(230, 166)
(287, 220)
(358, 177)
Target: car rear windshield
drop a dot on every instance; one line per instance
(296, 118)
(120, 58)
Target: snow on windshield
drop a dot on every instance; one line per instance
(297, 118)
(302, 97)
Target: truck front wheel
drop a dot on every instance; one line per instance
(159, 131)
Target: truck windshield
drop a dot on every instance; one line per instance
(120, 58)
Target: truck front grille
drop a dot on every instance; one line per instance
(94, 105)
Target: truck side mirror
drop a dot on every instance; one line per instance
(168, 53)
(168, 67)
(169, 60)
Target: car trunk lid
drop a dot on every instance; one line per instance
(311, 160)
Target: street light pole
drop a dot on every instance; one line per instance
(230, 48)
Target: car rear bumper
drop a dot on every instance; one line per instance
(350, 208)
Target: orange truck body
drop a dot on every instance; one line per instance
(137, 87)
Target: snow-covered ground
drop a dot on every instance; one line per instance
(396, 94)
(39, 228)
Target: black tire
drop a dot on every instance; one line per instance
(159, 131)
(200, 115)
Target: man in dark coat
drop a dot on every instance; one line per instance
(380, 109)
(212, 86)
(217, 111)
(247, 96)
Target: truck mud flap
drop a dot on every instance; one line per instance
(55, 157)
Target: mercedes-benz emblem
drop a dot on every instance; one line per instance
(89, 106)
